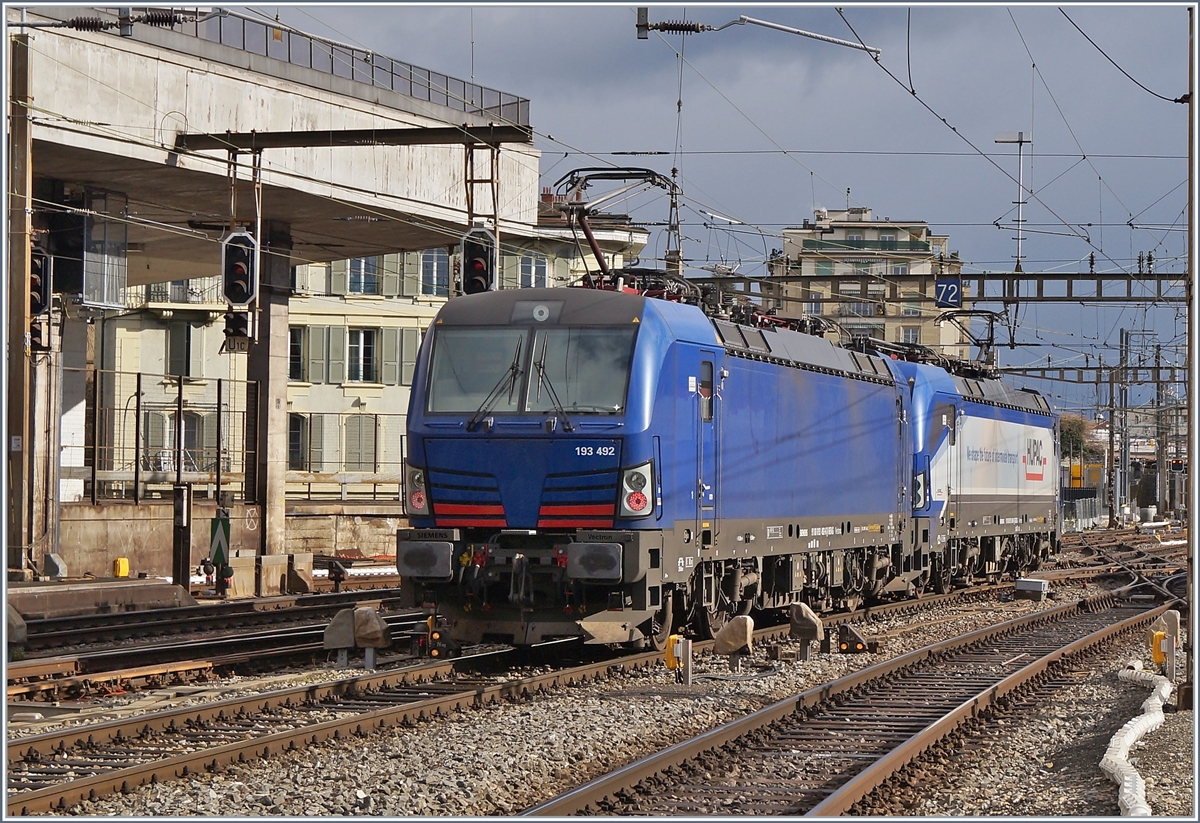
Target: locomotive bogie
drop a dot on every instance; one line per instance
(527, 587)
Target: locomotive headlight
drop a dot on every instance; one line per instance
(416, 500)
(919, 496)
(636, 492)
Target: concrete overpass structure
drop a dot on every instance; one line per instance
(135, 149)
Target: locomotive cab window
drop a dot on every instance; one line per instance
(706, 390)
(470, 364)
(585, 369)
(513, 369)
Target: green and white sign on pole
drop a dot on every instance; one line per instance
(219, 541)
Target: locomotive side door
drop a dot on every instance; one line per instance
(706, 447)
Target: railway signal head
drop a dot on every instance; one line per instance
(478, 260)
(40, 290)
(237, 324)
(238, 273)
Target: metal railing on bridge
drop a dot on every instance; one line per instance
(281, 42)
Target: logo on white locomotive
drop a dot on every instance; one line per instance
(1035, 464)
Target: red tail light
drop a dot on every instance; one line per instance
(636, 502)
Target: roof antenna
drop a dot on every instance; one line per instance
(847, 198)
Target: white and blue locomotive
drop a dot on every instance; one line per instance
(600, 464)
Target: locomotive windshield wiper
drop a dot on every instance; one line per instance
(540, 365)
(507, 380)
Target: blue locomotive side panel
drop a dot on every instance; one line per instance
(806, 447)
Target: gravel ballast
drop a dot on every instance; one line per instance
(501, 759)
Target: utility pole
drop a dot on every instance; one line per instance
(1112, 453)
(1123, 404)
(1185, 697)
(20, 235)
(1160, 432)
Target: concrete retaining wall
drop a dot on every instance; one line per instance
(92, 537)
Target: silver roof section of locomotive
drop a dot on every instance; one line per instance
(800, 349)
(582, 307)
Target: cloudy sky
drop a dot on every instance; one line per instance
(764, 126)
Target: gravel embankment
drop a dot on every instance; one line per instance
(499, 760)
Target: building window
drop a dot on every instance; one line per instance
(435, 272)
(854, 240)
(185, 350)
(887, 241)
(852, 304)
(296, 356)
(815, 305)
(910, 334)
(912, 308)
(297, 442)
(862, 330)
(361, 365)
(533, 271)
(364, 275)
(191, 454)
(877, 298)
(900, 268)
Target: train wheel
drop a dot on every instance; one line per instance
(941, 578)
(715, 617)
(661, 625)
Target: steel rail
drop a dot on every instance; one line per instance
(62, 795)
(595, 791)
(65, 794)
(857, 788)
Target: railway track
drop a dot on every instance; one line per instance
(57, 769)
(177, 660)
(49, 634)
(824, 751)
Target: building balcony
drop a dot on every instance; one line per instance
(197, 294)
(866, 245)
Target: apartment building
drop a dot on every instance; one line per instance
(868, 276)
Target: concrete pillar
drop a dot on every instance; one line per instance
(267, 364)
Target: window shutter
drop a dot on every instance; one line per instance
(195, 335)
(410, 342)
(208, 436)
(353, 449)
(339, 276)
(390, 357)
(411, 273)
(316, 442)
(369, 429)
(316, 353)
(337, 354)
(391, 275)
(177, 360)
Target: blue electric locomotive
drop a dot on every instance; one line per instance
(599, 464)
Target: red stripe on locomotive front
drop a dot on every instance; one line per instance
(468, 508)
(602, 510)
